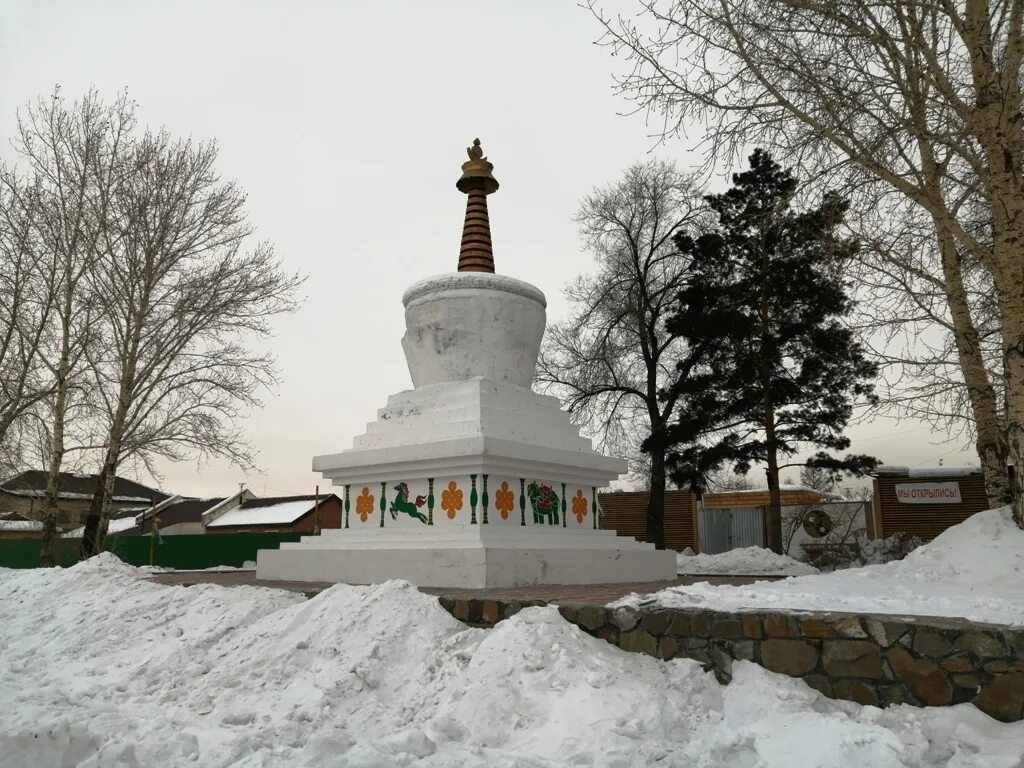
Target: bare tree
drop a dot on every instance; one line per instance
(26, 302)
(180, 303)
(611, 359)
(844, 510)
(723, 480)
(839, 542)
(906, 319)
(74, 151)
(921, 101)
(819, 478)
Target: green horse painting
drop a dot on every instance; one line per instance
(544, 501)
(402, 504)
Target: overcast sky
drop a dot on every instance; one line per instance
(346, 123)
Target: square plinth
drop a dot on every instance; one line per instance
(471, 556)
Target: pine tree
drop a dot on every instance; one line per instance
(766, 294)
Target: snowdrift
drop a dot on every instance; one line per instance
(100, 667)
(974, 570)
(747, 561)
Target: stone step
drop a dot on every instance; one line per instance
(469, 536)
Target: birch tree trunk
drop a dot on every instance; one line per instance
(48, 545)
(99, 508)
(990, 432)
(127, 368)
(996, 57)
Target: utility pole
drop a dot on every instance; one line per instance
(316, 513)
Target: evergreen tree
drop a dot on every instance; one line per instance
(766, 293)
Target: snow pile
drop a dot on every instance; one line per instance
(748, 561)
(100, 667)
(973, 570)
(879, 551)
(866, 551)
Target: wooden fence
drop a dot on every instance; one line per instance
(185, 552)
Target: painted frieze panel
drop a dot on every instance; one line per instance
(478, 499)
(544, 503)
(407, 505)
(580, 508)
(452, 499)
(364, 504)
(505, 500)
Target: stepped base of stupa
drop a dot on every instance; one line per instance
(473, 483)
(470, 556)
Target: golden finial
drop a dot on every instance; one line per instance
(476, 254)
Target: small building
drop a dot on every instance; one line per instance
(734, 519)
(279, 514)
(25, 495)
(726, 520)
(242, 512)
(16, 526)
(175, 515)
(924, 501)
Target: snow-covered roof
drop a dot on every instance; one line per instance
(34, 494)
(896, 469)
(79, 486)
(226, 505)
(271, 514)
(132, 511)
(21, 525)
(782, 487)
(116, 525)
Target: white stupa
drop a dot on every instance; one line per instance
(470, 479)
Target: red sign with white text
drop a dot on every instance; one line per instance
(928, 493)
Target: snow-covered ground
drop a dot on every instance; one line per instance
(248, 565)
(747, 561)
(100, 667)
(974, 570)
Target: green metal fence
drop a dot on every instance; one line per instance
(185, 552)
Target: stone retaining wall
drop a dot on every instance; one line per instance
(873, 659)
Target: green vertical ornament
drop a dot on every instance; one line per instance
(473, 498)
(348, 504)
(563, 505)
(593, 505)
(483, 499)
(522, 501)
(383, 501)
(430, 501)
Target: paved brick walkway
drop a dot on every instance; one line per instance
(592, 594)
